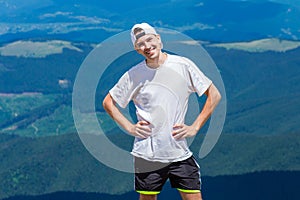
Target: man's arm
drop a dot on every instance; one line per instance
(213, 98)
(141, 129)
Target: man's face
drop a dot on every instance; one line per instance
(149, 46)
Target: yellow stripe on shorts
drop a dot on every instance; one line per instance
(188, 191)
(148, 192)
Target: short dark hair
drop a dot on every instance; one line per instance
(136, 30)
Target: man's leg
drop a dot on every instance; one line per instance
(191, 196)
(149, 178)
(185, 176)
(148, 197)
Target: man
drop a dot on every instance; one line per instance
(160, 86)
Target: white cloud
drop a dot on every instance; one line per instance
(53, 28)
(193, 42)
(81, 18)
(199, 4)
(288, 32)
(53, 15)
(92, 20)
(288, 2)
(295, 3)
(195, 26)
(73, 23)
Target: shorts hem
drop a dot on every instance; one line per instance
(188, 191)
(148, 192)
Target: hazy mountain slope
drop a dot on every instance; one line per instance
(61, 163)
(48, 164)
(82, 20)
(264, 185)
(34, 74)
(262, 89)
(258, 75)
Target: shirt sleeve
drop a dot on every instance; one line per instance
(122, 90)
(199, 82)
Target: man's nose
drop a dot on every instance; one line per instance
(147, 45)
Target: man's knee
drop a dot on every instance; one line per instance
(148, 197)
(191, 196)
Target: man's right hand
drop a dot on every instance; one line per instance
(141, 129)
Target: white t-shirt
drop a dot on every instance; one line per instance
(161, 98)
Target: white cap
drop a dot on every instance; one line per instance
(145, 27)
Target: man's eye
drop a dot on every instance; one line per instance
(140, 45)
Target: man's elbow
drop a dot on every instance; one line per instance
(215, 94)
(107, 103)
(218, 97)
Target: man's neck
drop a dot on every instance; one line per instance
(155, 63)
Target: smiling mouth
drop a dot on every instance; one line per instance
(150, 51)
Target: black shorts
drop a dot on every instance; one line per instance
(151, 176)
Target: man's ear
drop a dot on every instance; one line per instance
(138, 50)
(159, 39)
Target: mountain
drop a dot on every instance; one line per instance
(45, 165)
(260, 138)
(264, 186)
(255, 45)
(259, 88)
(36, 71)
(94, 21)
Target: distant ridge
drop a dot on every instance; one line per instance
(263, 45)
(42, 49)
(36, 49)
(258, 186)
(35, 166)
